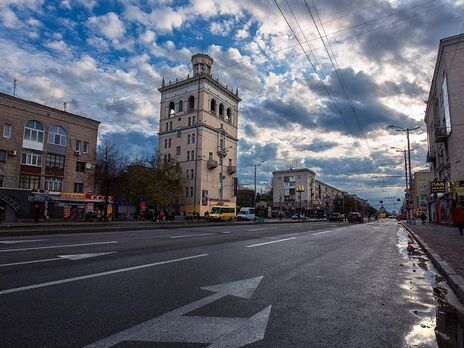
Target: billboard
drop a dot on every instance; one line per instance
(437, 186)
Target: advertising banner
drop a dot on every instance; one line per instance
(437, 186)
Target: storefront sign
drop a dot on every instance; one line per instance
(66, 212)
(37, 198)
(437, 187)
(86, 196)
(204, 197)
(89, 207)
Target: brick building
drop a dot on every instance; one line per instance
(47, 155)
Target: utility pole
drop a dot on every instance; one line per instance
(256, 165)
(14, 86)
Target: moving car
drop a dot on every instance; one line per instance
(336, 217)
(219, 213)
(246, 214)
(355, 217)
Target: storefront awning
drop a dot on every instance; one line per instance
(77, 200)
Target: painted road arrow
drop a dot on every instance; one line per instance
(216, 331)
(72, 257)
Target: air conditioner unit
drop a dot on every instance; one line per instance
(12, 152)
(77, 153)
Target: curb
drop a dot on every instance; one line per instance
(455, 281)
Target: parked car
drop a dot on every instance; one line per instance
(355, 217)
(246, 214)
(336, 217)
(298, 217)
(401, 217)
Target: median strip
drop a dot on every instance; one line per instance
(265, 243)
(95, 275)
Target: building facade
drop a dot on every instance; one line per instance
(444, 118)
(198, 129)
(46, 155)
(420, 190)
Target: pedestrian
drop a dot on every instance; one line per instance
(198, 217)
(280, 216)
(459, 217)
(36, 213)
(423, 218)
(206, 215)
(161, 216)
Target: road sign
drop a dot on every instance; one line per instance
(174, 326)
(407, 195)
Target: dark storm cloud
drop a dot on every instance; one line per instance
(134, 144)
(317, 145)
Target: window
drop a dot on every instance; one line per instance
(169, 157)
(78, 145)
(169, 142)
(229, 115)
(210, 156)
(172, 111)
(191, 173)
(78, 187)
(80, 166)
(186, 192)
(179, 133)
(57, 136)
(192, 155)
(191, 191)
(165, 158)
(178, 151)
(187, 173)
(7, 130)
(188, 155)
(221, 110)
(170, 125)
(167, 126)
(2, 155)
(34, 131)
(213, 106)
(191, 102)
(188, 139)
(54, 161)
(86, 147)
(31, 159)
(193, 138)
(189, 123)
(193, 120)
(30, 182)
(181, 105)
(2, 179)
(166, 143)
(53, 183)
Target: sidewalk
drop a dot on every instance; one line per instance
(445, 247)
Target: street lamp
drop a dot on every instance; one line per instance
(407, 130)
(299, 189)
(256, 165)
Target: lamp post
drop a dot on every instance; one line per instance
(256, 165)
(407, 130)
(299, 189)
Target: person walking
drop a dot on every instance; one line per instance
(206, 215)
(459, 217)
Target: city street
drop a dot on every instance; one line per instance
(314, 284)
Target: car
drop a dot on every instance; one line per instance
(400, 217)
(246, 214)
(336, 217)
(298, 217)
(355, 217)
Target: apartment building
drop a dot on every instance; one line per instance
(420, 190)
(47, 160)
(198, 130)
(444, 118)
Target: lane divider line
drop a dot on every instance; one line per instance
(191, 235)
(57, 246)
(257, 229)
(95, 275)
(265, 243)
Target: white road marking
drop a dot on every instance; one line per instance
(226, 232)
(20, 241)
(95, 275)
(58, 246)
(192, 235)
(257, 229)
(73, 257)
(265, 243)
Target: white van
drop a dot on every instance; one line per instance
(246, 214)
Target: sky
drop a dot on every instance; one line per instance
(320, 81)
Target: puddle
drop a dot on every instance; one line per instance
(439, 314)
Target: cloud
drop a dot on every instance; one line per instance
(109, 25)
(134, 144)
(9, 18)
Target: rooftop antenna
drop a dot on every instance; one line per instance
(64, 106)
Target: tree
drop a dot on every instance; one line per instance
(245, 197)
(109, 168)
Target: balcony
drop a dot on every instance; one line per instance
(431, 156)
(231, 169)
(440, 135)
(212, 164)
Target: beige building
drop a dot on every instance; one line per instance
(199, 130)
(46, 155)
(421, 189)
(444, 118)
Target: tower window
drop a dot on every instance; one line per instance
(172, 110)
(229, 115)
(181, 105)
(221, 110)
(191, 103)
(213, 106)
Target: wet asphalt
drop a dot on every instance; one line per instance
(328, 285)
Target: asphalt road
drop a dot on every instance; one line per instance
(284, 285)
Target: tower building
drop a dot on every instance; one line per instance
(198, 129)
